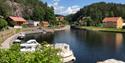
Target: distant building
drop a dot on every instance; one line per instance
(60, 18)
(33, 23)
(16, 21)
(113, 22)
(44, 24)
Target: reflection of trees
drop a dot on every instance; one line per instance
(105, 40)
(108, 40)
(91, 38)
(40, 37)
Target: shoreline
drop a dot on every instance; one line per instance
(7, 43)
(101, 29)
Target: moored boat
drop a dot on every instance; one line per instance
(30, 45)
(65, 52)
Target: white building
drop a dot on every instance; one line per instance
(34, 23)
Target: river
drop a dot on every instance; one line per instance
(88, 46)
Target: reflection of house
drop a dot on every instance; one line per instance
(60, 18)
(16, 21)
(33, 23)
(44, 24)
(119, 39)
(113, 22)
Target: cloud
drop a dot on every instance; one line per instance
(71, 10)
(58, 9)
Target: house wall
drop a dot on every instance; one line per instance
(109, 24)
(36, 23)
(44, 24)
(119, 23)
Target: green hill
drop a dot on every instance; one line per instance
(98, 11)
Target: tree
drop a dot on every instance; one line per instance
(3, 23)
(86, 21)
(38, 14)
(50, 16)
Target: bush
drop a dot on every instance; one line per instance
(24, 26)
(43, 55)
(3, 23)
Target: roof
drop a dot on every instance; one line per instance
(111, 19)
(44, 22)
(17, 18)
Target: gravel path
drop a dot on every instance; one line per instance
(6, 44)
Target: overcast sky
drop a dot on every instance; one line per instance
(65, 7)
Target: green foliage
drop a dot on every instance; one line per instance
(98, 11)
(99, 25)
(50, 16)
(24, 25)
(42, 55)
(86, 21)
(4, 9)
(38, 14)
(17, 30)
(3, 23)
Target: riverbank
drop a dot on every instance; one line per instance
(7, 43)
(100, 29)
(67, 27)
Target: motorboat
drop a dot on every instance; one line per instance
(21, 35)
(65, 52)
(28, 48)
(44, 32)
(30, 45)
(17, 41)
(31, 42)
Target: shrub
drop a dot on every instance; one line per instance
(3, 23)
(43, 55)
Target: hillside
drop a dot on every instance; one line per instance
(29, 9)
(98, 11)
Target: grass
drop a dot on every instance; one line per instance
(102, 29)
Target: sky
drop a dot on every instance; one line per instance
(65, 7)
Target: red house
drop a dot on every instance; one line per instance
(16, 20)
(113, 22)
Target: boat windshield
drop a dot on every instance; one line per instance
(22, 47)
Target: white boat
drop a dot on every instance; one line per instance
(44, 32)
(21, 35)
(17, 41)
(65, 53)
(31, 42)
(30, 45)
(28, 49)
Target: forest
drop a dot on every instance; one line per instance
(98, 11)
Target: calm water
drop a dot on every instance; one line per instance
(88, 46)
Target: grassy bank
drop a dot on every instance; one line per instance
(101, 29)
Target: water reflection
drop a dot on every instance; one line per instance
(119, 40)
(40, 37)
(88, 46)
